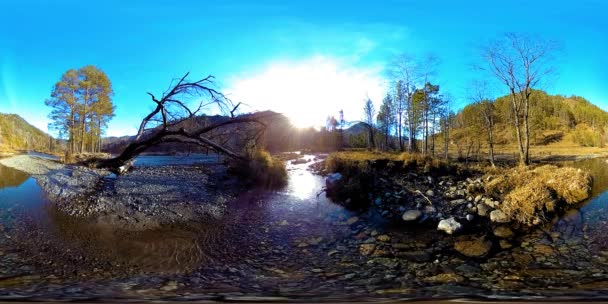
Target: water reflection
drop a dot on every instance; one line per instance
(166, 160)
(17, 189)
(11, 178)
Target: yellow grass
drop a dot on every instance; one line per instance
(527, 193)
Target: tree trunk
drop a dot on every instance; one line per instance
(516, 119)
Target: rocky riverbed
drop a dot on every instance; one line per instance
(296, 245)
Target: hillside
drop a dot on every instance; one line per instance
(18, 134)
(558, 124)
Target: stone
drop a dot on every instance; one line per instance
(478, 199)
(482, 209)
(504, 244)
(445, 278)
(352, 220)
(503, 232)
(458, 201)
(367, 249)
(383, 238)
(498, 216)
(430, 193)
(332, 180)
(378, 201)
(449, 226)
(543, 249)
(411, 215)
(470, 217)
(473, 247)
(430, 210)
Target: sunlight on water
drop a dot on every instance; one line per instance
(302, 184)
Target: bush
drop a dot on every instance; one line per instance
(262, 170)
(527, 194)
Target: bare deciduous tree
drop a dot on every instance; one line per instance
(520, 62)
(479, 96)
(174, 121)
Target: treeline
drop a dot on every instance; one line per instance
(81, 103)
(18, 134)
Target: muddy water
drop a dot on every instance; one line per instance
(292, 243)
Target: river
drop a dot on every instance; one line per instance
(292, 243)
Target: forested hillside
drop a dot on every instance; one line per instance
(554, 120)
(18, 134)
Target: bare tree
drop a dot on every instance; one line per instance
(479, 96)
(520, 62)
(404, 71)
(369, 113)
(174, 121)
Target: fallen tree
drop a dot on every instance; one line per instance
(173, 121)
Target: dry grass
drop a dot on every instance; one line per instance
(528, 193)
(262, 170)
(362, 161)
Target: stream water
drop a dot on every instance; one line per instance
(293, 243)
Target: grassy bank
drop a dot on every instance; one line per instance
(526, 195)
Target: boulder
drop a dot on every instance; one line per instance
(449, 226)
(411, 215)
(332, 180)
(503, 232)
(482, 209)
(498, 216)
(472, 247)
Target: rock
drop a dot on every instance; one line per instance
(543, 249)
(470, 205)
(170, 286)
(315, 241)
(367, 249)
(445, 278)
(458, 201)
(411, 215)
(498, 216)
(430, 210)
(477, 199)
(470, 217)
(482, 209)
(503, 232)
(378, 201)
(504, 244)
(383, 238)
(430, 193)
(472, 247)
(352, 220)
(332, 180)
(449, 226)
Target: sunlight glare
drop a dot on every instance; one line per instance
(308, 91)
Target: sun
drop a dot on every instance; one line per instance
(309, 91)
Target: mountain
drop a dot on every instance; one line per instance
(17, 134)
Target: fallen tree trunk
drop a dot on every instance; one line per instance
(172, 114)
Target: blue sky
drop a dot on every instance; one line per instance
(305, 58)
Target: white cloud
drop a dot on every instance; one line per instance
(309, 90)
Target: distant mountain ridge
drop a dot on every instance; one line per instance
(17, 134)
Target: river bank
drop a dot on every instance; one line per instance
(145, 198)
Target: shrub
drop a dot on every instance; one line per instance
(262, 170)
